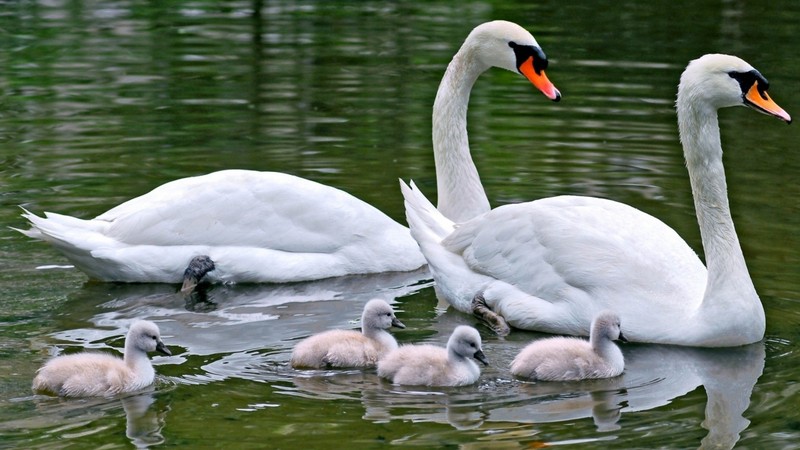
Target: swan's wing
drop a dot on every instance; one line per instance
(248, 209)
(552, 246)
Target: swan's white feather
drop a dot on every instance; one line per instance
(552, 264)
(256, 227)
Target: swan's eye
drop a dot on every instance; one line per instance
(525, 52)
(746, 80)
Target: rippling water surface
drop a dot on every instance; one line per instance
(102, 101)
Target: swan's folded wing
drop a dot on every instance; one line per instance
(549, 246)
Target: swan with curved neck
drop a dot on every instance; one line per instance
(493, 44)
(551, 264)
(249, 226)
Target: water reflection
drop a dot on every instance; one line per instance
(144, 421)
(654, 376)
(225, 319)
(248, 332)
(74, 419)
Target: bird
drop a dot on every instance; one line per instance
(551, 264)
(102, 375)
(571, 358)
(268, 227)
(431, 365)
(349, 348)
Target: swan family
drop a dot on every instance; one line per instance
(568, 265)
(551, 264)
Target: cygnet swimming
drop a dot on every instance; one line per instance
(569, 358)
(100, 374)
(349, 348)
(429, 365)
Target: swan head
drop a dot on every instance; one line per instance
(725, 80)
(379, 315)
(466, 342)
(509, 46)
(146, 336)
(607, 325)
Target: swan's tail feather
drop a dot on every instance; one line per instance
(424, 220)
(65, 232)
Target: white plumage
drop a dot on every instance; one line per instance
(430, 365)
(274, 227)
(569, 358)
(255, 226)
(348, 348)
(552, 264)
(99, 374)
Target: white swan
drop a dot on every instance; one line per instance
(348, 348)
(492, 44)
(552, 264)
(249, 226)
(430, 365)
(100, 374)
(569, 358)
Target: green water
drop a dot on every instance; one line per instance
(103, 101)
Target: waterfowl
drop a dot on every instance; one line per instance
(571, 358)
(551, 264)
(268, 227)
(430, 365)
(99, 374)
(348, 348)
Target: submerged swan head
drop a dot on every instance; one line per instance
(509, 46)
(723, 80)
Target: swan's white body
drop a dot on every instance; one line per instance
(570, 358)
(100, 374)
(349, 348)
(430, 365)
(552, 264)
(274, 227)
(255, 226)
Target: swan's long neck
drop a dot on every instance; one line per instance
(138, 362)
(381, 336)
(461, 194)
(729, 285)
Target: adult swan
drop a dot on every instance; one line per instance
(552, 264)
(248, 226)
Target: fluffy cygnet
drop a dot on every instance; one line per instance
(348, 348)
(101, 374)
(568, 358)
(430, 365)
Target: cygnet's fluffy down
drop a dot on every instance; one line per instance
(348, 348)
(568, 358)
(101, 374)
(429, 365)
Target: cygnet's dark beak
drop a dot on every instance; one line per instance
(161, 348)
(481, 357)
(397, 323)
(622, 337)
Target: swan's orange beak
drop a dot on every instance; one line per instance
(539, 80)
(760, 101)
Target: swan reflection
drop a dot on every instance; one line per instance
(72, 419)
